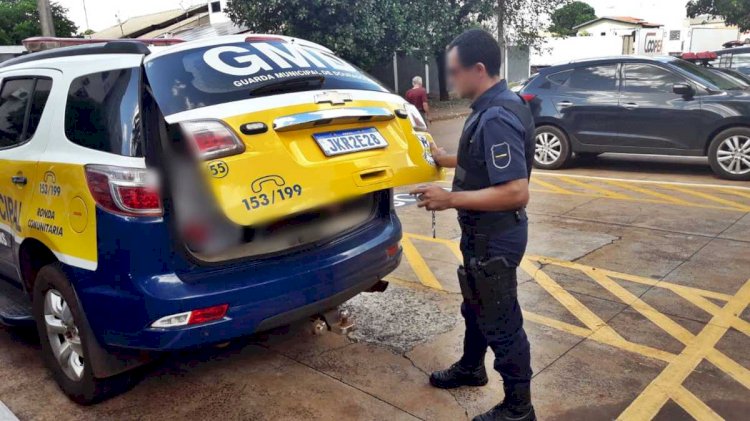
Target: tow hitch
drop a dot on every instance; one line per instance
(336, 320)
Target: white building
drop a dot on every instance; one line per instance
(613, 25)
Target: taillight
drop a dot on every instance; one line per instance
(124, 191)
(194, 317)
(211, 139)
(417, 122)
(528, 97)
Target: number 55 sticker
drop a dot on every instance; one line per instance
(218, 169)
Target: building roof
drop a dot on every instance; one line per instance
(207, 31)
(622, 19)
(140, 25)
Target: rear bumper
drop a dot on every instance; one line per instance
(260, 295)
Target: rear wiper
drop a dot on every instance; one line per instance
(288, 84)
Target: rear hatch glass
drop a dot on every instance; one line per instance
(218, 74)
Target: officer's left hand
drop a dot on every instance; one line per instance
(433, 198)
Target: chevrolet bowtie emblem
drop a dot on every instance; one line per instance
(334, 98)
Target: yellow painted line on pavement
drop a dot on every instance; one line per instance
(648, 404)
(656, 317)
(632, 278)
(692, 405)
(711, 308)
(551, 187)
(736, 192)
(603, 191)
(710, 197)
(662, 196)
(634, 180)
(418, 264)
(580, 311)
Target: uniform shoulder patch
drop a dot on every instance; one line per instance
(501, 155)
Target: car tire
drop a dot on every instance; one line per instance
(551, 148)
(65, 338)
(729, 154)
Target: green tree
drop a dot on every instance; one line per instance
(734, 12)
(435, 23)
(365, 32)
(19, 19)
(569, 16)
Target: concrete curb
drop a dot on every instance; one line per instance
(5, 414)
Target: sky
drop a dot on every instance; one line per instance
(102, 13)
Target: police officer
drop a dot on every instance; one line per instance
(490, 191)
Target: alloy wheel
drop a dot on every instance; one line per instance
(733, 155)
(547, 148)
(63, 335)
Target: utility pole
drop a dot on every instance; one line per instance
(500, 12)
(45, 18)
(86, 15)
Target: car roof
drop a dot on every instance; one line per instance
(135, 46)
(608, 60)
(111, 47)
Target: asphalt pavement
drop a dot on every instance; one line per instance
(635, 291)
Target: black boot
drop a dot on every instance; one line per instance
(457, 376)
(515, 407)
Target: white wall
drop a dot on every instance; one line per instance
(218, 17)
(607, 26)
(563, 50)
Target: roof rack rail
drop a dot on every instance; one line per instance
(35, 44)
(69, 47)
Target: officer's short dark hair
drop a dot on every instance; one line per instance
(478, 46)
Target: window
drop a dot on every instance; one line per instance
(222, 73)
(705, 76)
(41, 93)
(741, 62)
(594, 78)
(558, 79)
(21, 104)
(103, 112)
(645, 78)
(215, 7)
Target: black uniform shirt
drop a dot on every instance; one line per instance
(498, 147)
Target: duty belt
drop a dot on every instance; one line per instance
(496, 224)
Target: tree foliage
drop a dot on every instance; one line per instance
(19, 19)
(734, 12)
(365, 32)
(569, 16)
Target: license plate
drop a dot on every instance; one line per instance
(350, 141)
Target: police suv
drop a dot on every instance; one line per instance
(160, 198)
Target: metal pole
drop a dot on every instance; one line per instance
(427, 76)
(395, 72)
(86, 14)
(45, 18)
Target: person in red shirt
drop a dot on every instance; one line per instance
(417, 96)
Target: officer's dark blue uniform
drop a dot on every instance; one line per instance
(496, 147)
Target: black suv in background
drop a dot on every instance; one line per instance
(643, 105)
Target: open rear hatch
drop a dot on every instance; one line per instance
(281, 126)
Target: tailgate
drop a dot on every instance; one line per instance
(316, 155)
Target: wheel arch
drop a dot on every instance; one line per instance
(726, 125)
(32, 256)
